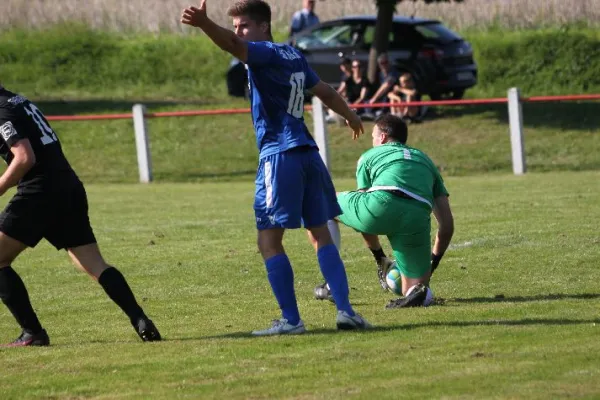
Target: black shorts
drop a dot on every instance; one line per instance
(60, 216)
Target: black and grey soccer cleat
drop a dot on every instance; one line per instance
(416, 298)
(322, 292)
(29, 339)
(147, 331)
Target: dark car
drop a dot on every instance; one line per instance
(438, 58)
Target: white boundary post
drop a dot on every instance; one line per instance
(517, 140)
(141, 143)
(320, 130)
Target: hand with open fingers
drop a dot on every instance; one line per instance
(195, 16)
(356, 125)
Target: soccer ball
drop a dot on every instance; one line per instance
(394, 280)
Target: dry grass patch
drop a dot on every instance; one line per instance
(163, 15)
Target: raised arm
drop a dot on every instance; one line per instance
(224, 38)
(334, 101)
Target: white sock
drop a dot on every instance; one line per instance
(428, 298)
(409, 291)
(334, 231)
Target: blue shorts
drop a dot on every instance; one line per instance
(294, 188)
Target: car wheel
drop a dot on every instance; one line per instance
(435, 96)
(458, 94)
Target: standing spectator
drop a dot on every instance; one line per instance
(405, 93)
(388, 76)
(304, 18)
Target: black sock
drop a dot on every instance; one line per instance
(116, 287)
(378, 254)
(14, 294)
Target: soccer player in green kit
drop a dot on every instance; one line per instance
(398, 189)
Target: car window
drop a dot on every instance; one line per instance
(437, 31)
(369, 36)
(401, 36)
(330, 36)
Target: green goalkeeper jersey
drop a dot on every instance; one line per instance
(394, 166)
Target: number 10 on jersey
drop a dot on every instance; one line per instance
(296, 102)
(48, 135)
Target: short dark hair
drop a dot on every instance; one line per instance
(258, 10)
(393, 126)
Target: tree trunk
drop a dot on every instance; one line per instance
(383, 27)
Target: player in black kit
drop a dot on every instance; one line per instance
(50, 203)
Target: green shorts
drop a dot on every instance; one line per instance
(405, 222)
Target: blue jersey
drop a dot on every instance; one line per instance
(278, 75)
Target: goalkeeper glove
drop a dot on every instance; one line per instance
(435, 261)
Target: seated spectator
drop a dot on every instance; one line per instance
(387, 79)
(356, 87)
(304, 18)
(346, 68)
(403, 94)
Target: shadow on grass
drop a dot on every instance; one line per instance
(494, 322)
(419, 325)
(560, 115)
(499, 298)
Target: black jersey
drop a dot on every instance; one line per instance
(21, 119)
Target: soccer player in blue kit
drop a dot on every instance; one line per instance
(293, 185)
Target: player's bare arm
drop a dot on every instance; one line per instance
(333, 100)
(224, 38)
(382, 89)
(342, 89)
(23, 160)
(445, 220)
(408, 92)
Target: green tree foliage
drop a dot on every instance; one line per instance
(385, 16)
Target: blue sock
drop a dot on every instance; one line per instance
(334, 273)
(281, 278)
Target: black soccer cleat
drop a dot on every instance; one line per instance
(416, 298)
(322, 292)
(29, 339)
(147, 331)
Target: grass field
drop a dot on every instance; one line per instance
(519, 317)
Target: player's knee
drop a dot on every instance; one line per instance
(269, 248)
(96, 268)
(312, 239)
